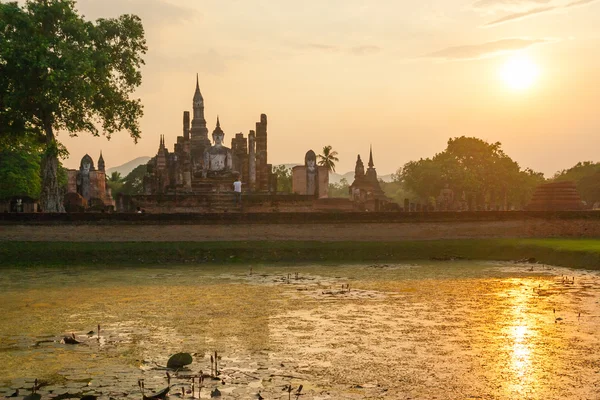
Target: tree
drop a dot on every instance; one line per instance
(59, 72)
(586, 176)
(20, 173)
(133, 183)
(284, 178)
(473, 167)
(115, 183)
(115, 177)
(328, 158)
(340, 189)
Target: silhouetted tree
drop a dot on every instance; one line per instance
(586, 176)
(474, 167)
(328, 158)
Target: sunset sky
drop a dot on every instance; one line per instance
(403, 76)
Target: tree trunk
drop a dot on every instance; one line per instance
(50, 197)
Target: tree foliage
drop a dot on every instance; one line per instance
(284, 178)
(59, 72)
(20, 173)
(328, 158)
(475, 168)
(340, 189)
(586, 176)
(133, 183)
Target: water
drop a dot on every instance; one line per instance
(425, 330)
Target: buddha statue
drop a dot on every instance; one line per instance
(312, 173)
(83, 177)
(218, 159)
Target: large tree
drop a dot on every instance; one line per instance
(480, 170)
(59, 72)
(586, 176)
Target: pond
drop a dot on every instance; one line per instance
(422, 330)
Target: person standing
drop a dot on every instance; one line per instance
(237, 191)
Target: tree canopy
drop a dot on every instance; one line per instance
(59, 72)
(586, 176)
(328, 158)
(480, 170)
(20, 173)
(284, 178)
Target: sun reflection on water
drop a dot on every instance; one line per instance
(520, 333)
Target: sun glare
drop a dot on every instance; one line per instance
(519, 73)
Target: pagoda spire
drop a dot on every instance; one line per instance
(371, 164)
(197, 94)
(101, 162)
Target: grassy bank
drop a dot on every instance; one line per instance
(584, 253)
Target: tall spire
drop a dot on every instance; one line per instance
(371, 165)
(218, 123)
(197, 94)
(101, 162)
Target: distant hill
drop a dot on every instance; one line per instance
(126, 168)
(349, 176)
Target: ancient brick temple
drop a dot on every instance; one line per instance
(310, 178)
(556, 196)
(89, 185)
(197, 165)
(366, 190)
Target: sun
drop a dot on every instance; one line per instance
(519, 73)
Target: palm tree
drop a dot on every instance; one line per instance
(328, 158)
(115, 177)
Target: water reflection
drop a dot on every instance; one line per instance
(402, 331)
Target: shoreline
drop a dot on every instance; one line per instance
(574, 253)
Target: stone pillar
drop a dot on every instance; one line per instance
(252, 160)
(186, 125)
(239, 149)
(262, 176)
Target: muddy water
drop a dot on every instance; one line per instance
(426, 330)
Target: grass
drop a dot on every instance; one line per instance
(580, 253)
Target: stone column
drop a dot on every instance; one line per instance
(262, 177)
(252, 160)
(186, 125)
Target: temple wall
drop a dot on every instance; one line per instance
(299, 181)
(284, 226)
(323, 182)
(72, 181)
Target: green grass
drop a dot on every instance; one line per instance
(584, 253)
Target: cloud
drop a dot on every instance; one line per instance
(328, 48)
(508, 5)
(156, 12)
(485, 50)
(539, 10)
(365, 50)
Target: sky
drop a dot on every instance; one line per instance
(401, 75)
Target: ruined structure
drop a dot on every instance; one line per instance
(310, 179)
(197, 166)
(557, 196)
(366, 191)
(91, 184)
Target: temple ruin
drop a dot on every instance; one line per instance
(87, 187)
(198, 166)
